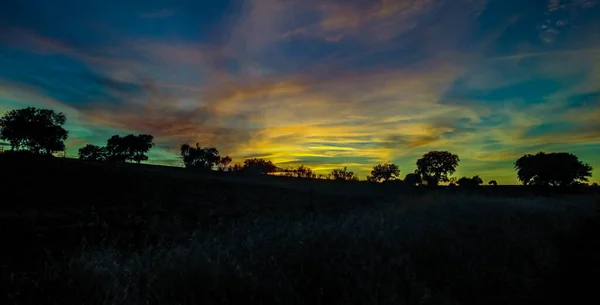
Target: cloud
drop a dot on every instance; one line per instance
(321, 83)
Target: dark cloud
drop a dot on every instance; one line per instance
(587, 99)
(408, 142)
(78, 86)
(548, 129)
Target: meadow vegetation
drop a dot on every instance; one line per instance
(79, 232)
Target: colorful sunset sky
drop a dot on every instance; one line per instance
(324, 83)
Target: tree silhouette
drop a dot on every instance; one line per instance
(470, 182)
(412, 179)
(223, 163)
(304, 172)
(289, 172)
(38, 130)
(493, 182)
(344, 174)
(92, 153)
(384, 172)
(259, 166)
(199, 157)
(116, 150)
(552, 169)
(435, 166)
(300, 172)
(139, 145)
(129, 148)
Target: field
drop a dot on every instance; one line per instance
(91, 233)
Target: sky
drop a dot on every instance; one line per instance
(323, 83)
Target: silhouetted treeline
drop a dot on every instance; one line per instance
(40, 132)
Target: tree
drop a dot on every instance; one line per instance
(199, 157)
(412, 179)
(259, 166)
(92, 153)
(223, 163)
(38, 130)
(552, 169)
(470, 182)
(344, 174)
(139, 145)
(435, 166)
(116, 150)
(304, 172)
(384, 172)
(129, 148)
(493, 182)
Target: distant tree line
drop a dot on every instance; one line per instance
(40, 131)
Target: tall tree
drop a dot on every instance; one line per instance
(259, 166)
(384, 172)
(199, 157)
(552, 169)
(344, 174)
(92, 153)
(38, 130)
(436, 166)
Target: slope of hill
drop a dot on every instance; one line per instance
(95, 233)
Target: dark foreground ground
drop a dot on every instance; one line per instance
(84, 233)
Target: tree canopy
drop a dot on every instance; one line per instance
(301, 172)
(470, 182)
(384, 172)
(344, 174)
(223, 163)
(436, 166)
(259, 166)
(92, 153)
(412, 179)
(37, 130)
(199, 157)
(552, 169)
(129, 148)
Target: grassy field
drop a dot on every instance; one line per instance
(84, 233)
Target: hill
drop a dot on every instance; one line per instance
(100, 233)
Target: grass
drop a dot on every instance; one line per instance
(129, 235)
